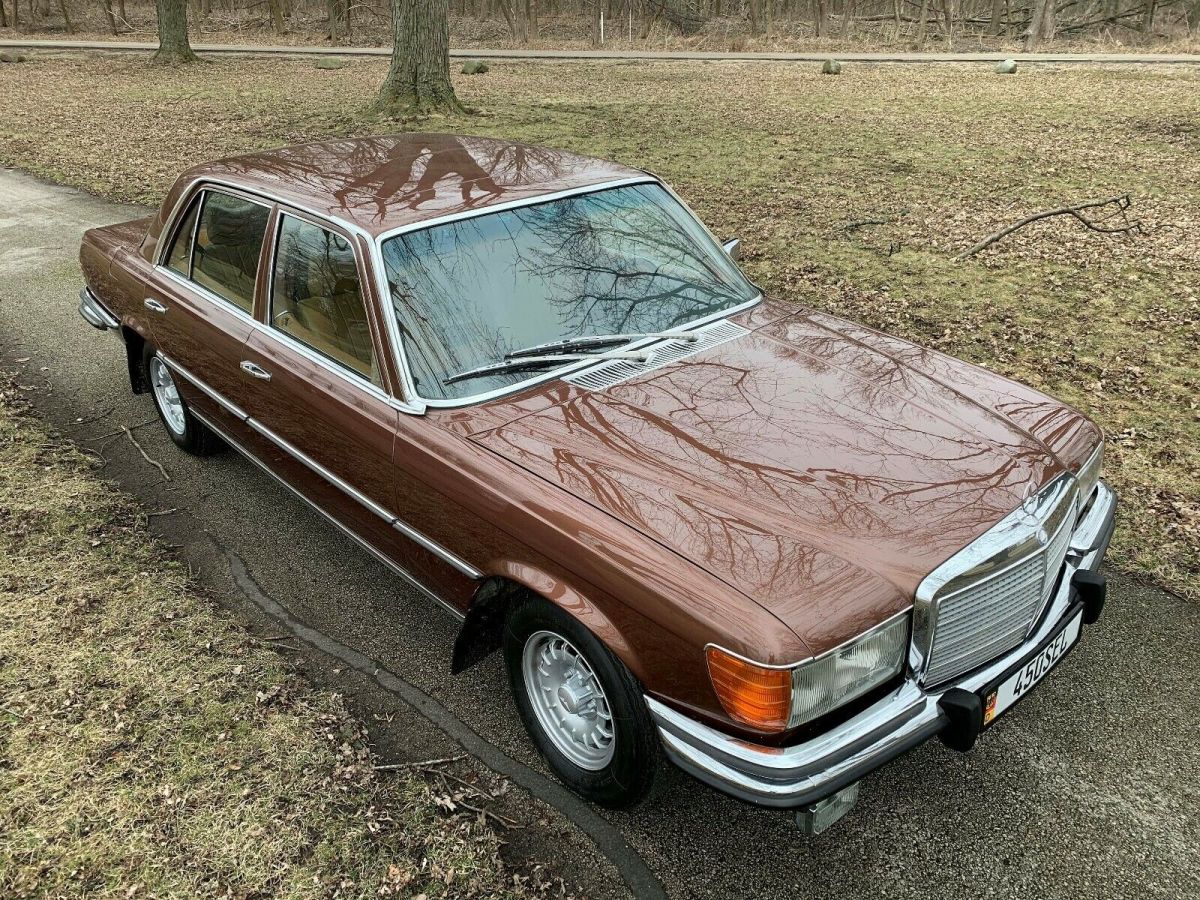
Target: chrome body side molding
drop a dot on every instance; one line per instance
(341, 484)
(224, 435)
(909, 715)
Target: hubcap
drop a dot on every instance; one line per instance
(167, 396)
(568, 700)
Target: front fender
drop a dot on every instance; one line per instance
(483, 628)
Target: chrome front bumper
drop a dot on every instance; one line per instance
(94, 313)
(807, 773)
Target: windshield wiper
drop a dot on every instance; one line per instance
(598, 342)
(533, 363)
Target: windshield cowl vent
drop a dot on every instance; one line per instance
(605, 375)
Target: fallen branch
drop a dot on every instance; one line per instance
(504, 821)
(145, 455)
(422, 764)
(1121, 206)
(863, 223)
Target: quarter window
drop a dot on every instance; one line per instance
(228, 243)
(180, 257)
(316, 296)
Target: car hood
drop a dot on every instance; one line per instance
(818, 475)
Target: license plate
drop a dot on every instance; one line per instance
(1017, 685)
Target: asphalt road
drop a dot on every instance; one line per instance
(1089, 788)
(887, 56)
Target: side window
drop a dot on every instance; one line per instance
(229, 239)
(180, 257)
(315, 296)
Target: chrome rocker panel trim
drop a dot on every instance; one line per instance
(94, 313)
(228, 439)
(809, 772)
(407, 530)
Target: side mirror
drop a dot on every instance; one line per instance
(733, 248)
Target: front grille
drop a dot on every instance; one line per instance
(973, 623)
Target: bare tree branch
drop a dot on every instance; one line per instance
(1120, 207)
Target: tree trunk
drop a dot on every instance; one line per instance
(173, 46)
(276, 9)
(419, 77)
(108, 14)
(1148, 15)
(3, 15)
(1041, 27)
(995, 24)
(921, 23)
(847, 17)
(338, 19)
(516, 14)
(66, 14)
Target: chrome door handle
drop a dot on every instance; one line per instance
(255, 371)
(154, 306)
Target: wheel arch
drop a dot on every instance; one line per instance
(482, 629)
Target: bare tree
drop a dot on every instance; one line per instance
(418, 79)
(1041, 26)
(276, 10)
(173, 46)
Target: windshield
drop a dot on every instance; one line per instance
(617, 261)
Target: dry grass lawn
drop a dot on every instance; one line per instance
(933, 157)
(150, 747)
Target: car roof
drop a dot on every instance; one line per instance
(382, 183)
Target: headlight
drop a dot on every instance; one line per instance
(777, 698)
(849, 671)
(1089, 472)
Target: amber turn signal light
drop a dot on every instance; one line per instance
(751, 694)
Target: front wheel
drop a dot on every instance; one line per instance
(184, 429)
(580, 704)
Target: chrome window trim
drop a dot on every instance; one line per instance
(288, 341)
(1019, 529)
(273, 329)
(389, 310)
(403, 573)
(400, 403)
(337, 481)
(199, 194)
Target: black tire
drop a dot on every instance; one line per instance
(195, 437)
(629, 776)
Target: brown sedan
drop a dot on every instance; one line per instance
(778, 546)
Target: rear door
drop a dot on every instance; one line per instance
(200, 298)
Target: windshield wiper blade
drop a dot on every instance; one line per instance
(533, 363)
(598, 341)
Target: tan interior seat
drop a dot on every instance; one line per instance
(323, 308)
(227, 249)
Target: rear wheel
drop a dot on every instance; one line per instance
(184, 429)
(580, 704)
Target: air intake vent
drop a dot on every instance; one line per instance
(607, 374)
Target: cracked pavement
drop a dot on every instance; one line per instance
(1089, 788)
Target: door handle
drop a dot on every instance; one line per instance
(154, 306)
(255, 371)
